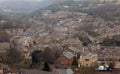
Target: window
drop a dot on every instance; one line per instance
(86, 59)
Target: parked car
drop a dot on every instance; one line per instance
(102, 68)
(105, 67)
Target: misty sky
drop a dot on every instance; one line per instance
(19, 0)
(24, 6)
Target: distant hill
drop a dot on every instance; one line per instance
(21, 6)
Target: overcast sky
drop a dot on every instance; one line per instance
(24, 6)
(19, 0)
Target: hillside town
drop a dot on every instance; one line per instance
(63, 38)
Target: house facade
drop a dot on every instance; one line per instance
(87, 59)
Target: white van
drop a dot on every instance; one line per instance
(101, 68)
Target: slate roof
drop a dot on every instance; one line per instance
(68, 55)
(69, 71)
(64, 71)
(89, 54)
(73, 49)
(73, 40)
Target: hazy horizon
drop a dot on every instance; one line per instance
(23, 6)
(20, 0)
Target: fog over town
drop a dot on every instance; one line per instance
(59, 36)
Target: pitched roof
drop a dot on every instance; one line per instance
(74, 40)
(69, 71)
(64, 71)
(68, 55)
(73, 48)
(61, 71)
(89, 54)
